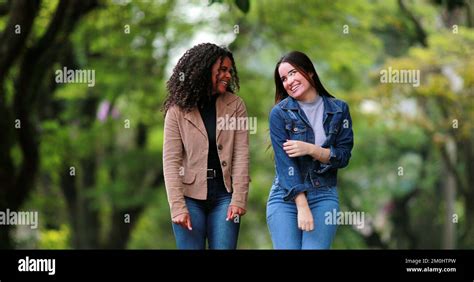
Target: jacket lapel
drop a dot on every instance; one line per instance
(194, 117)
(330, 108)
(224, 111)
(292, 104)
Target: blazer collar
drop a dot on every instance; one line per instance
(223, 109)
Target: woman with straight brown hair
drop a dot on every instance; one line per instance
(311, 134)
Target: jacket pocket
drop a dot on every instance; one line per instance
(189, 177)
(334, 128)
(296, 130)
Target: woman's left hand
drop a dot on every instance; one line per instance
(233, 211)
(295, 148)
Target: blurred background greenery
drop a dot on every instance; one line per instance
(89, 159)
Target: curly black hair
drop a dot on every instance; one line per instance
(191, 83)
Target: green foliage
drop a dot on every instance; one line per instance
(132, 45)
(55, 239)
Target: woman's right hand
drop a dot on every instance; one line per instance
(305, 217)
(184, 220)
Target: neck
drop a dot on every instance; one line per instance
(310, 96)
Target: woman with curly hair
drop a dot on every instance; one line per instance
(205, 161)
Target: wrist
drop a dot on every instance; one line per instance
(301, 201)
(318, 152)
(326, 155)
(314, 151)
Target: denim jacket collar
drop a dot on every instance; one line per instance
(330, 107)
(290, 103)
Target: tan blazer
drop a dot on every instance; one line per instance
(186, 147)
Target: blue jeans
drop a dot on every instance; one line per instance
(282, 219)
(208, 220)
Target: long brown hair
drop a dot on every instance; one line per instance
(303, 65)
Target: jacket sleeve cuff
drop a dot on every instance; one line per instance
(294, 191)
(178, 208)
(333, 159)
(239, 199)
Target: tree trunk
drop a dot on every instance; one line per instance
(17, 183)
(22, 14)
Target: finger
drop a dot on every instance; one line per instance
(289, 143)
(232, 214)
(229, 213)
(291, 150)
(188, 223)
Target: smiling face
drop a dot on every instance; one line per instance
(295, 84)
(221, 75)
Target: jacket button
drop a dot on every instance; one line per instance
(224, 163)
(219, 147)
(295, 129)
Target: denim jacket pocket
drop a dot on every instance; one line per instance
(296, 130)
(335, 124)
(331, 138)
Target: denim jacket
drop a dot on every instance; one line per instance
(299, 174)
